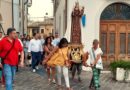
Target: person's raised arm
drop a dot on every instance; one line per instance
(50, 54)
(46, 49)
(53, 51)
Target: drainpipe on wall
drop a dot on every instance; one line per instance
(66, 12)
(25, 17)
(12, 13)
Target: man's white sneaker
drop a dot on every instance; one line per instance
(34, 70)
(37, 67)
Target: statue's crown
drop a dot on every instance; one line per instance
(76, 2)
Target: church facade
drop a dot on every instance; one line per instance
(105, 20)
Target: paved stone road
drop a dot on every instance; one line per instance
(26, 80)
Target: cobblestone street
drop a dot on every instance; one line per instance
(62, 33)
(26, 80)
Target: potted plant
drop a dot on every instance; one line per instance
(127, 71)
(118, 69)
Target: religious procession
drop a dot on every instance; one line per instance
(68, 51)
(56, 55)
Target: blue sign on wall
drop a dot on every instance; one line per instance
(84, 20)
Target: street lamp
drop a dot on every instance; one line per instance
(29, 3)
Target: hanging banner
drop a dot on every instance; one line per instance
(84, 20)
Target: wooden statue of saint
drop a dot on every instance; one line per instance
(76, 25)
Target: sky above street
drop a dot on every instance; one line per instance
(40, 7)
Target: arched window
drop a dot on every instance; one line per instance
(116, 11)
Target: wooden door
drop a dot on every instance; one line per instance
(115, 39)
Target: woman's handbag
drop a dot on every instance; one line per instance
(28, 57)
(99, 64)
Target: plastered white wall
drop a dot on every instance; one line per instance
(93, 10)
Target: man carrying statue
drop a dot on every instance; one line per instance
(76, 47)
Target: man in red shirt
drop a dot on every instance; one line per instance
(9, 49)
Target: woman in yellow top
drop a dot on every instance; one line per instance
(59, 59)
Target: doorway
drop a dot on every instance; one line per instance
(115, 32)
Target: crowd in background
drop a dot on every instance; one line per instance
(34, 50)
(27, 42)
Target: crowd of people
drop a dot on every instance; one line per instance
(49, 51)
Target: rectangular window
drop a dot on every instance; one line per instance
(42, 30)
(38, 31)
(35, 30)
(112, 43)
(122, 43)
(104, 42)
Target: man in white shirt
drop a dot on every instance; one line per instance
(42, 42)
(56, 41)
(35, 48)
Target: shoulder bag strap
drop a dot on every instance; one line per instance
(9, 50)
(93, 54)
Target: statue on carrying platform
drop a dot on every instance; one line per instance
(76, 47)
(76, 25)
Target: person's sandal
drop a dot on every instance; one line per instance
(91, 87)
(49, 80)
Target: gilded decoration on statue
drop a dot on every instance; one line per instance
(76, 54)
